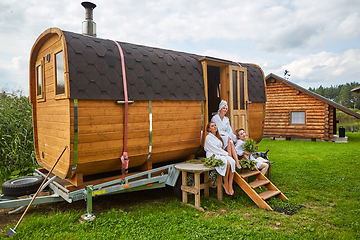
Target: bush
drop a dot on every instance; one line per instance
(17, 156)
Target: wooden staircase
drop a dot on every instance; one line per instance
(259, 198)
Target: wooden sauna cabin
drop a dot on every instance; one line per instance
(295, 112)
(77, 94)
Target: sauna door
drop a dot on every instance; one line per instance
(238, 99)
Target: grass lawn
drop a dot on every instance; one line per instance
(322, 176)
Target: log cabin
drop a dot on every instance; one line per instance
(295, 112)
(356, 90)
(102, 97)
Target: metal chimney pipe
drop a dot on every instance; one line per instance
(89, 26)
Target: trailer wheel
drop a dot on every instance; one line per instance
(21, 186)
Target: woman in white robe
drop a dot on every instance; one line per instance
(223, 124)
(260, 164)
(214, 145)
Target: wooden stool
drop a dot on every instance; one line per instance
(197, 169)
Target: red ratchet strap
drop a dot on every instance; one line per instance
(124, 158)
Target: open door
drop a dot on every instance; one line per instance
(238, 98)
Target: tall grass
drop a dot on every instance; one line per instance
(17, 156)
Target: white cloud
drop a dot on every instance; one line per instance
(329, 67)
(282, 33)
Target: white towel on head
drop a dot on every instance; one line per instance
(222, 104)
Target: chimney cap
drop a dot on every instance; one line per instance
(88, 5)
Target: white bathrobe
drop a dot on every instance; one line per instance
(240, 151)
(214, 146)
(224, 127)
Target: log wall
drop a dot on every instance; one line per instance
(282, 99)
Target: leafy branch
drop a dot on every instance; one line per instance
(249, 146)
(212, 162)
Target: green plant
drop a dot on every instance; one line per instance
(212, 162)
(16, 136)
(250, 145)
(247, 163)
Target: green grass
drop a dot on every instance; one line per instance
(322, 176)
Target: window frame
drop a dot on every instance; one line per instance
(64, 94)
(40, 63)
(291, 118)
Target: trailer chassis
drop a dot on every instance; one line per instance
(140, 181)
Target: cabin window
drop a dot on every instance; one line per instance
(298, 117)
(242, 90)
(235, 90)
(39, 80)
(60, 77)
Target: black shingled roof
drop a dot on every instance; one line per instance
(152, 73)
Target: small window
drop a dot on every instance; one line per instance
(242, 90)
(298, 117)
(235, 90)
(39, 76)
(60, 78)
(39, 82)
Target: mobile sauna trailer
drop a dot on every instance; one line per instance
(78, 99)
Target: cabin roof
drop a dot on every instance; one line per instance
(356, 90)
(256, 84)
(151, 73)
(315, 95)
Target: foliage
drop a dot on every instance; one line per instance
(322, 176)
(17, 156)
(250, 145)
(247, 163)
(340, 94)
(212, 162)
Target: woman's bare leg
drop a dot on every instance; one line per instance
(231, 178)
(230, 148)
(263, 168)
(226, 179)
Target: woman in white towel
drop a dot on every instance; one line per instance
(214, 145)
(226, 133)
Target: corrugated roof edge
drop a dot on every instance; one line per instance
(321, 98)
(356, 90)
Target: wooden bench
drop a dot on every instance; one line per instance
(198, 169)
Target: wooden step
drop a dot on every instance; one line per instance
(258, 183)
(268, 194)
(249, 174)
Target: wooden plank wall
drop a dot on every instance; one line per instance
(51, 117)
(281, 100)
(176, 133)
(256, 117)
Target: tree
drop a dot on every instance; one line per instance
(340, 94)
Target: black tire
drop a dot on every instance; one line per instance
(22, 186)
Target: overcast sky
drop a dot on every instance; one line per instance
(317, 41)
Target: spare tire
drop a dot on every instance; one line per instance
(22, 186)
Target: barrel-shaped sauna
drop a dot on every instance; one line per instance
(77, 93)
